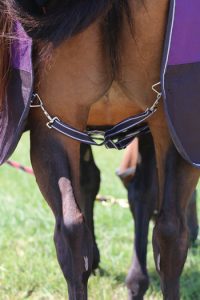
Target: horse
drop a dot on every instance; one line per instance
(83, 51)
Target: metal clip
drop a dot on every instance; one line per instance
(159, 95)
(36, 97)
(41, 105)
(49, 124)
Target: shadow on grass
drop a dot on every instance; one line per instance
(118, 278)
(190, 282)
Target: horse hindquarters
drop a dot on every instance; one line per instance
(177, 181)
(56, 166)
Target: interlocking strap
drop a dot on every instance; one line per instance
(71, 132)
(118, 137)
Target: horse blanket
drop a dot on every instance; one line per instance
(18, 96)
(180, 81)
(180, 77)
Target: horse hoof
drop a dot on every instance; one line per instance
(132, 296)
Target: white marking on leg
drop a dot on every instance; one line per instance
(86, 263)
(158, 262)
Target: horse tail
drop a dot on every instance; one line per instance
(60, 19)
(5, 48)
(112, 30)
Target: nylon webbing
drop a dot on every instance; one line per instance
(118, 137)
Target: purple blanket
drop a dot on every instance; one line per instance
(17, 100)
(180, 77)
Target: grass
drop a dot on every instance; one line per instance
(28, 264)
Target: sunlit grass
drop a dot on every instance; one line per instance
(28, 264)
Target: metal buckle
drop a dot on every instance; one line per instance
(93, 134)
(49, 124)
(41, 105)
(108, 139)
(36, 97)
(112, 143)
(153, 108)
(155, 90)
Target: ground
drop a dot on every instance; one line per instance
(28, 265)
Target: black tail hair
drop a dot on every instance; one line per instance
(62, 20)
(66, 18)
(112, 30)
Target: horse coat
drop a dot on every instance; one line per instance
(18, 95)
(180, 81)
(180, 78)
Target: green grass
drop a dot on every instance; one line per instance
(28, 264)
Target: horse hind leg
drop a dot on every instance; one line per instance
(56, 166)
(177, 181)
(90, 183)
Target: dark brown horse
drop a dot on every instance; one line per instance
(84, 50)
